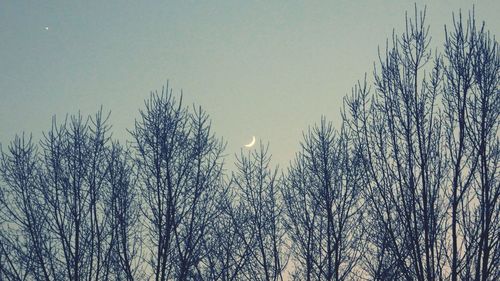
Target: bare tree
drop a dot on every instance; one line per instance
(459, 82)
(123, 257)
(180, 171)
(201, 205)
(257, 216)
(400, 134)
(24, 244)
(484, 118)
(52, 203)
(226, 251)
(322, 196)
(73, 184)
(471, 109)
(160, 138)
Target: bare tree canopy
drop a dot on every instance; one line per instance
(407, 188)
(322, 195)
(429, 136)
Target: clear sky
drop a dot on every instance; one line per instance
(263, 68)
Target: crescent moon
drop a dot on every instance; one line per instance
(251, 143)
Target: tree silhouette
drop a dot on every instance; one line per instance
(406, 189)
(323, 201)
(180, 168)
(471, 118)
(430, 143)
(400, 134)
(258, 216)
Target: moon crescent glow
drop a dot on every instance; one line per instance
(251, 143)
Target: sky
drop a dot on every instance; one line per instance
(268, 69)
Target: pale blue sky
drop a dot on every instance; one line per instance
(263, 68)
